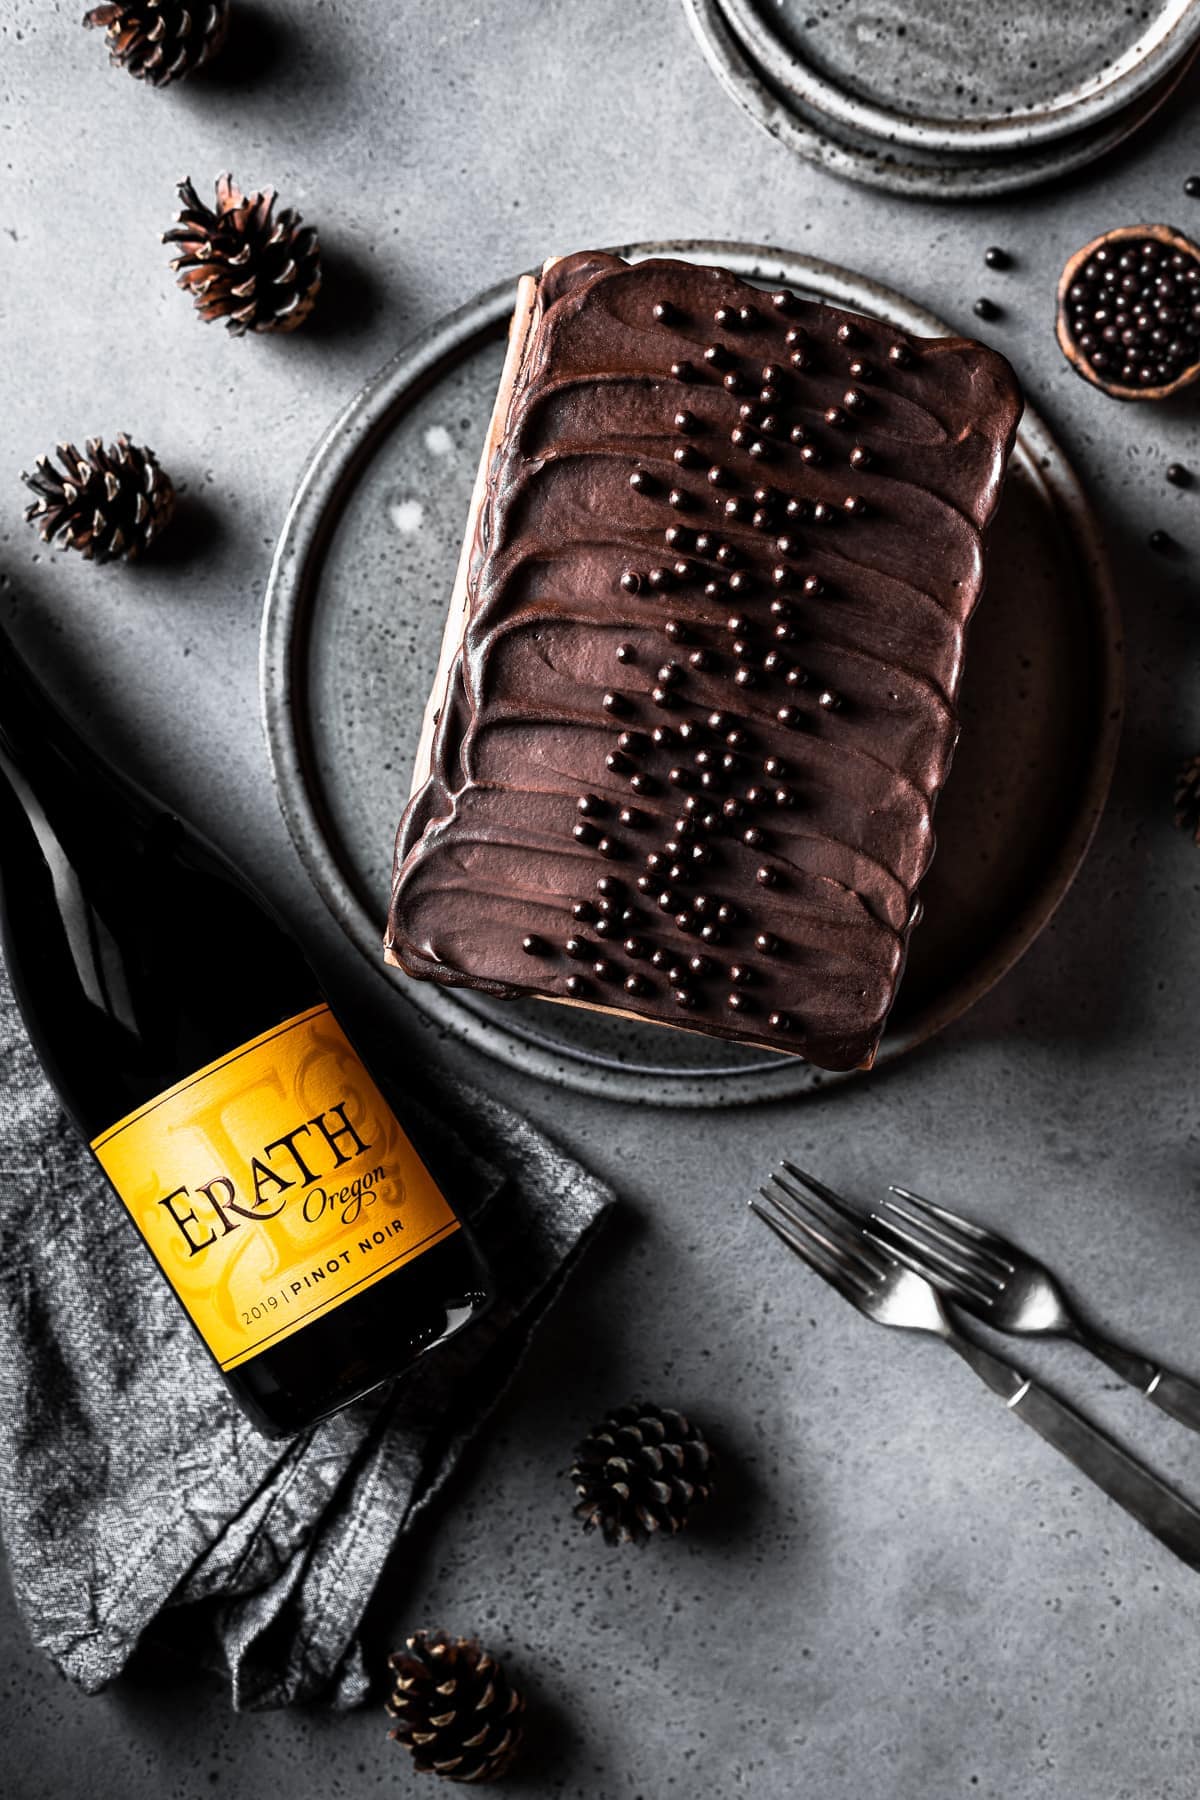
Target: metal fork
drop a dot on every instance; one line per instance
(832, 1238)
(988, 1276)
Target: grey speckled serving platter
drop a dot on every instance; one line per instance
(352, 626)
(947, 101)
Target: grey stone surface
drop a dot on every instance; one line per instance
(901, 1593)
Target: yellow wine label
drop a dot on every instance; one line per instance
(273, 1185)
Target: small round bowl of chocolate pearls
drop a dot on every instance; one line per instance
(1129, 312)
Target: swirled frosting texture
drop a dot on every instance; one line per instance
(688, 750)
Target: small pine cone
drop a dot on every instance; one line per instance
(111, 502)
(640, 1471)
(458, 1716)
(240, 264)
(1187, 798)
(160, 40)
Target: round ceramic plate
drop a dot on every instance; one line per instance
(928, 173)
(354, 612)
(966, 79)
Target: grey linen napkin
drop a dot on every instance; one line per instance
(133, 1494)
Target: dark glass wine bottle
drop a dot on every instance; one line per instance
(189, 1039)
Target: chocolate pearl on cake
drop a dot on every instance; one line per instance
(616, 704)
(860, 457)
(631, 581)
(626, 653)
(659, 579)
(603, 928)
(641, 783)
(617, 762)
(828, 699)
(680, 500)
(735, 507)
(585, 834)
(783, 302)
(727, 554)
(683, 371)
(682, 997)
(611, 847)
(717, 476)
(662, 736)
(686, 456)
(765, 876)
(754, 837)
(611, 886)
(575, 986)
(577, 948)
(855, 505)
(835, 416)
(591, 805)
(602, 969)
(855, 400)
(821, 513)
(737, 739)
(737, 1002)
(766, 943)
(701, 661)
(679, 537)
(798, 434)
(712, 934)
(810, 454)
(813, 585)
(664, 312)
(745, 677)
(734, 383)
(737, 435)
(780, 1021)
(636, 985)
(901, 356)
(534, 945)
(716, 356)
(643, 482)
(727, 913)
(862, 371)
(784, 797)
(635, 947)
(847, 333)
(796, 676)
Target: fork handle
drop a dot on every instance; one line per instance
(1173, 1394)
(1171, 1519)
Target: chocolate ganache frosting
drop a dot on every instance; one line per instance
(697, 697)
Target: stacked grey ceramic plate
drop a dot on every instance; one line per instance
(944, 99)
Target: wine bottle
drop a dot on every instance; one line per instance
(189, 1039)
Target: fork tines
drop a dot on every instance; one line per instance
(829, 1236)
(948, 1250)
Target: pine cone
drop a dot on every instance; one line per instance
(160, 40)
(109, 503)
(1187, 798)
(239, 264)
(642, 1470)
(458, 1715)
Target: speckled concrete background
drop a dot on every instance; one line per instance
(902, 1594)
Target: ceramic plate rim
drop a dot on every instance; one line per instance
(878, 167)
(1127, 82)
(294, 576)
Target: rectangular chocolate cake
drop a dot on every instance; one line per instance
(697, 692)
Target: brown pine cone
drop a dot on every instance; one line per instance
(241, 264)
(456, 1713)
(641, 1470)
(161, 40)
(111, 502)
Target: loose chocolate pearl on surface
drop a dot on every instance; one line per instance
(985, 308)
(1179, 475)
(1160, 541)
(534, 945)
(1191, 187)
(996, 258)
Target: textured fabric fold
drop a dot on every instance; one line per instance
(132, 1490)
